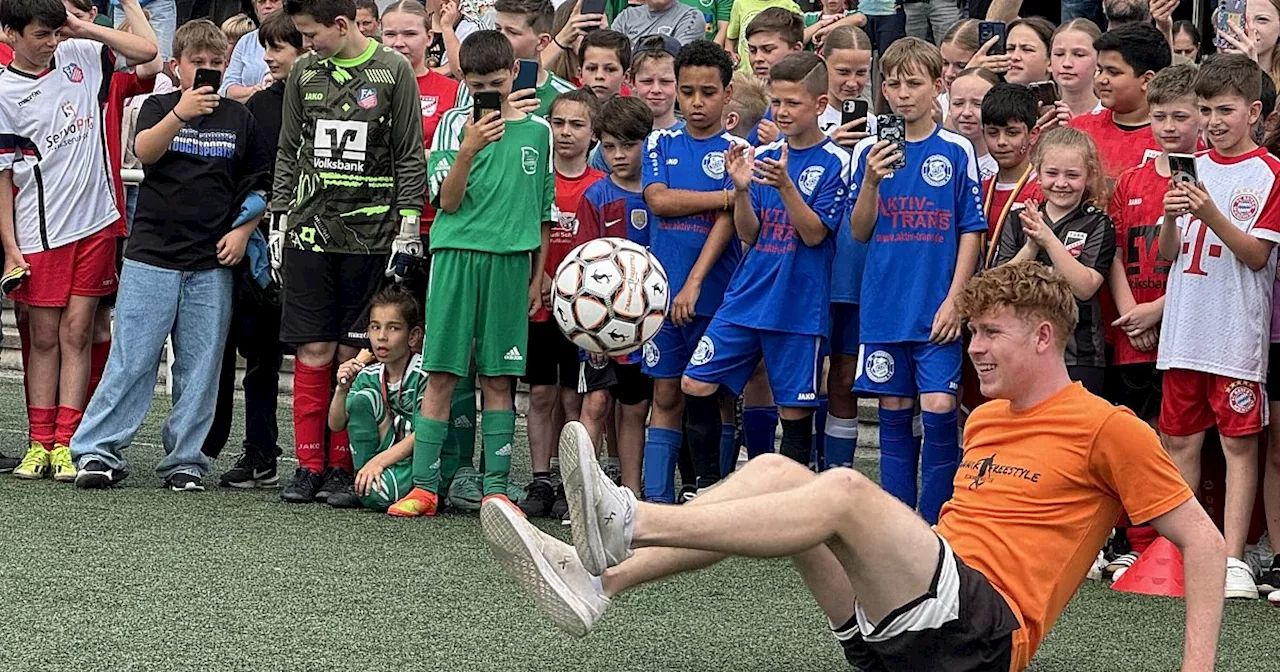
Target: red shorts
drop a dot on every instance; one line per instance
(86, 267)
(1194, 401)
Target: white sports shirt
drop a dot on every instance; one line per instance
(53, 138)
(1217, 311)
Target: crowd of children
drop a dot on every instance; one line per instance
(386, 196)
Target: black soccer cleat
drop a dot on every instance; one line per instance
(303, 488)
(539, 498)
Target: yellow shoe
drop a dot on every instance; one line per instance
(64, 471)
(35, 464)
(418, 502)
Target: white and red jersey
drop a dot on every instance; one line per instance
(53, 138)
(1217, 311)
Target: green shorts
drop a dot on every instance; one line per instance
(477, 298)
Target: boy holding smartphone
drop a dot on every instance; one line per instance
(923, 225)
(527, 24)
(492, 183)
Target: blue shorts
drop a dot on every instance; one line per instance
(727, 355)
(668, 352)
(907, 369)
(844, 328)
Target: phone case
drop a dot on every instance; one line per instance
(1182, 168)
(990, 29)
(1229, 12)
(893, 128)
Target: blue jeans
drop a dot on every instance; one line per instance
(164, 20)
(154, 303)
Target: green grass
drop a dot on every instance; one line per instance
(140, 578)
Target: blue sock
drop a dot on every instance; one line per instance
(842, 440)
(661, 451)
(728, 448)
(898, 455)
(819, 454)
(759, 424)
(941, 459)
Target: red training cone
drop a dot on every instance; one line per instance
(1158, 571)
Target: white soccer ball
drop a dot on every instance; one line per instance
(610, 296)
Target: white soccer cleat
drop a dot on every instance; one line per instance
(548, 569)
(1240, 580)
(602, 513)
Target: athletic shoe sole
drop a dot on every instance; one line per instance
(511, 539)
(189, 487)
(576, 456)
(96, 480)
(270, 484)
(30, 477)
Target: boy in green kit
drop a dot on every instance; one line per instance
(492, 182)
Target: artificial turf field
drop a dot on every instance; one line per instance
(141, 578)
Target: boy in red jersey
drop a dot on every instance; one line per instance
(1128, 57)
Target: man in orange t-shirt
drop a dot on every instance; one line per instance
(1047, 467)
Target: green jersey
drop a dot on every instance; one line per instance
(401, 397)
(740, 17)
(510, 188)
(546, 93)
(713, 12)
(350, 161)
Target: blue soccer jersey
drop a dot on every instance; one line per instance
(923, 210)
(846, 269)
(783, 284)
(606, 208)
(680, 161)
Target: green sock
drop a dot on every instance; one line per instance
(499, 438)
(428, 440)
(365, 412)
(462, 424)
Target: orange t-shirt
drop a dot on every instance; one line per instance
(1038, 490)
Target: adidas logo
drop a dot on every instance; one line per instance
(513, 355)
(462, 422)
(504, 451)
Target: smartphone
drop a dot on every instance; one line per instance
(207, 77)
(1047, 92)
(893, 128)
(592, 7)
(483, 102)
(527, 77)
(853, 110)
(1183, 168)
(990, 29)
(12, 280)
(1229, 12)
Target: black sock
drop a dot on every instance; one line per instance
(685, 462)
(544, 475)
(703, 429)
(797, 438)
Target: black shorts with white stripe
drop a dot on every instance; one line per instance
(962, 624)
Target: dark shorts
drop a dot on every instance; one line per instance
(626, 383)
(326, 296)
(1138, 387)
(553, 359)
(962, 624)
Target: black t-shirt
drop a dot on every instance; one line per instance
(267, 107)
(191, 196)
(1090, 237)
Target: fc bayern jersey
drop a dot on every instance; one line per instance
(1120, 148)
(923, 210)
(782, 284)
(1137, 209)
(1217, 310)
(608, 210)
(52, 136)
(680, 161)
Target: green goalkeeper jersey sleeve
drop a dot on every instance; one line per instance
(351, 158)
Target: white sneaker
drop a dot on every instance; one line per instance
(1095, 570)
(1240, 580)
(548, 569)
(602, 513)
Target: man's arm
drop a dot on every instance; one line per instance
(409, 162)
(291, 124)
(1004, 10)
(665, 201)
(157, 128)
(1204, 567)
(140, 26)
(134, 48)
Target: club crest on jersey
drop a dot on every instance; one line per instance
(1242, 398)
(639, 219)
(713, 165)
(1074, 242)
(936, 170)
(809, 179)
(702, 354)
(429, 105)
(1244, 206)
(529, 160)
(73, 72)
(651, 354)
(879, 366)
(367, 98)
